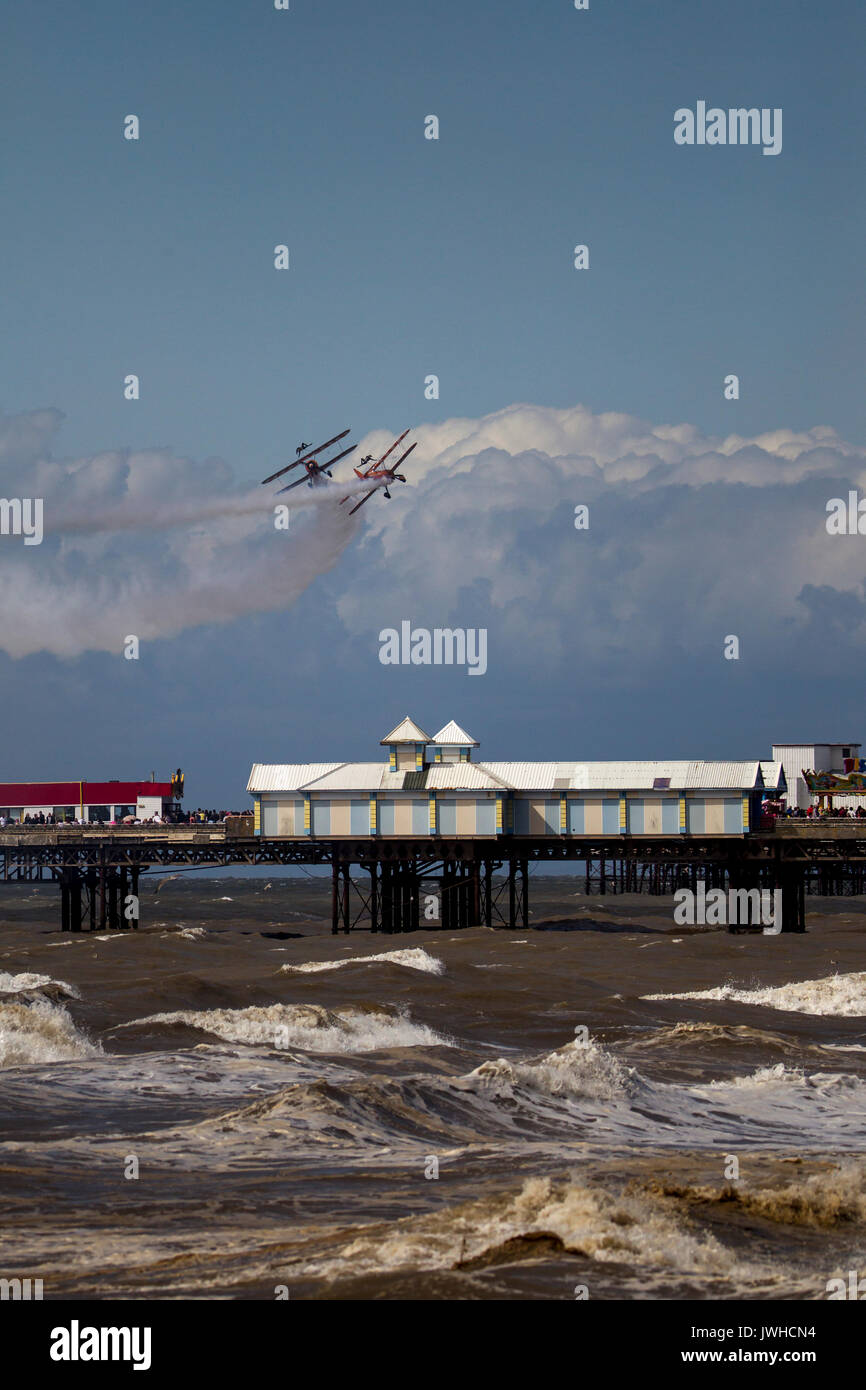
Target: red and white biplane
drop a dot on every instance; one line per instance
(316, 472)
(374, 474)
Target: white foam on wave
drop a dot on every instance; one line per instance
(590, 1092)
(842, 996)
(307, 1027)
(601, 1225)
(575, 1072)
(14, 984)
(40, 1032)
(413, 959)
(780, 1075)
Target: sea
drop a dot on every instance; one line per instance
(232, 1103)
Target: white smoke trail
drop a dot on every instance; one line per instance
(151, 545)
(162, 516)
(216, 573)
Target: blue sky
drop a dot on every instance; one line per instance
(453, 257)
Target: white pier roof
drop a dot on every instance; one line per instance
(550, 777)
(286, 777)
(773, 774)
(407, 731)
(453, 736)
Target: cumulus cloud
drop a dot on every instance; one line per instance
(691, 538)
(146, 543)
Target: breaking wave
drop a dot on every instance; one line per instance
(559, 1216)
(843, 996)
(821, 1199)
(779, 1074)
(14, 984)
(577, 1071)
(307, 1027)
(585, 1091)
(39, 1031)
(414, 959)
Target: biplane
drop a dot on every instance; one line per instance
(316, 472)
(374, 473)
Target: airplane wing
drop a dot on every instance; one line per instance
(319, 470)
(365, 498)
(280, 471)
(296, 483)
(403, 456)
(336, 459)
(378, 464)
(390, 472)
(311, 454)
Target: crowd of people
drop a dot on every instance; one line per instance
(815, 812)
(197, 817)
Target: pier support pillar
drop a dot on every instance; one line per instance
(346, 887)
(488, 893)
(475, 913)
(374, 897)
(113, 916)
(75, 900)
(340, 889)
(792, 880)
(387, 895)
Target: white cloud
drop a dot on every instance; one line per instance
(146, 543)
(691, 537)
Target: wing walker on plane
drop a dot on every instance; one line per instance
(377, 475)
(315, 470)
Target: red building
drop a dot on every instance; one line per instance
(88, 801)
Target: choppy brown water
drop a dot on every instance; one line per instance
(287, 1121)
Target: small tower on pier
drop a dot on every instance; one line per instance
(452, 744)
(407, 747)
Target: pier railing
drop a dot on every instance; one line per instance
(834, 827)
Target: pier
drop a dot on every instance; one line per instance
(388, 884)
